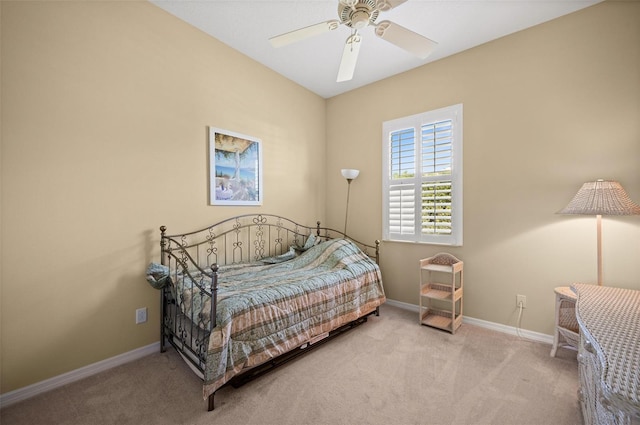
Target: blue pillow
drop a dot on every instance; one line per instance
(311, 241)
(158, 275)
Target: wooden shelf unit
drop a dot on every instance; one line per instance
(441, 302)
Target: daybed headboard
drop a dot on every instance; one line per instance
(242, 239)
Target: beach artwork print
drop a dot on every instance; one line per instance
(235, 168)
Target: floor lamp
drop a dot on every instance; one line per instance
(350, 175)
(600, 198)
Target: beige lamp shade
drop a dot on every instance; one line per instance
(601, 197)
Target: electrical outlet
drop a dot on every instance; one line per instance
(521, 299)
(141, 315)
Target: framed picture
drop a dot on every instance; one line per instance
(235, 168)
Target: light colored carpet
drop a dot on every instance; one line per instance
(390, 370)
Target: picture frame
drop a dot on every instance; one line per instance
(235, 168)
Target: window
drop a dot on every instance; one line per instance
(422, 177)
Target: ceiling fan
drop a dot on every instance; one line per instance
(359, 14)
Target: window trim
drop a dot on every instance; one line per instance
(453, 113)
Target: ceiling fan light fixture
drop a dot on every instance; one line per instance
(360, 19)
(358, 16)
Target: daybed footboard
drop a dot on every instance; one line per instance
(254, 259)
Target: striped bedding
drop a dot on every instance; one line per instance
(267, 310)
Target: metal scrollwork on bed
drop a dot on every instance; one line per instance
(264, 261)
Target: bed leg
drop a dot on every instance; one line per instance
(211, 406)
(377, 311)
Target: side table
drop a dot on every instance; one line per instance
(566, 333)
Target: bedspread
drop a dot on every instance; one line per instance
(267, 310)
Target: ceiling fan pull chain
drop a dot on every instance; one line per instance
(352, 38)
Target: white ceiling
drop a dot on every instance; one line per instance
(456, 25)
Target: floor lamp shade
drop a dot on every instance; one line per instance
(349, 173)
(600, 198)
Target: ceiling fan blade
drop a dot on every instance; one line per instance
(384, 5)
(405, 39)
(302, 33)
(349, 58)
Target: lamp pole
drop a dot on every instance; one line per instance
(599, 225)
(346, 214)
(349, 174)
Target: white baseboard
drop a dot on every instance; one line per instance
(511, 330)
(75, 375)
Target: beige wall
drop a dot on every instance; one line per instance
(105, 113)
(545, 110)
(105, 107)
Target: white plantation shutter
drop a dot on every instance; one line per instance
(422, 178)
(402, 188)
(402, 206)
(436, 208)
